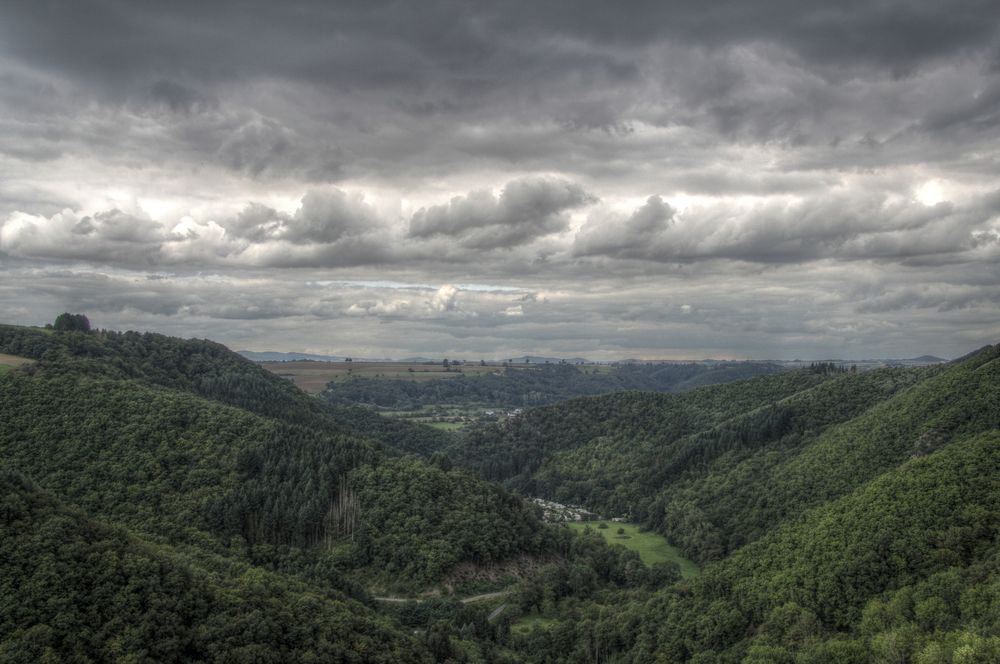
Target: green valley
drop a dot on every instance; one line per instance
(168, 500)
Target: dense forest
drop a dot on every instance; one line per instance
(74, 589)
(715, 468)
(166, 500)
(182, 456)
(512, 387)
(842, 516)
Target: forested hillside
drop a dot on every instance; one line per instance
(904, 569)
(715, 468)
(854, 517)
(514, 449)
(73, 589)
(188, 450)
(108, 435)
(166, 500)
(538, 385)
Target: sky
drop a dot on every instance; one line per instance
(668, 179)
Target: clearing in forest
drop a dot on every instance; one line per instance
(652, 548)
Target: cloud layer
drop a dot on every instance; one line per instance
(678, 179)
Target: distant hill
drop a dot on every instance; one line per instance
(269, 356)
(536, 384)
(927, 359)
(275, 356)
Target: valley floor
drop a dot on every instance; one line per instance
(651, 547)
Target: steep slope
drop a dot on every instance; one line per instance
(855, 521)
(745, 492)
(212, 371)
(905, 568)
(197, 366)
(717, 467)
(123, 426)
(72, 589)
(916, 545)
(513, 450)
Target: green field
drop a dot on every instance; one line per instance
(447, 426)
(525, 624)
(652, 548)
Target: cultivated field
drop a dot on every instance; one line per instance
(8, 362)
(312, 377)
(652, 548)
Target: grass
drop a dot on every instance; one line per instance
(651, 547)
(447, 426)
(525, 624)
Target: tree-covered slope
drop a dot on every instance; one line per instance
(905, 568)
(716, 507)
(717, 467)
(198, 366)
(514, 449)
(904, 565)
(187, 449)
(73, 589)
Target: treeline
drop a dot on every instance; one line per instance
(539, 385)
(199, 366)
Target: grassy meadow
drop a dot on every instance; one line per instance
(651, 547)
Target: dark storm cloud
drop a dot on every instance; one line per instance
(660, 177)
(329, 91)
(383, 43)
(179, 98)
